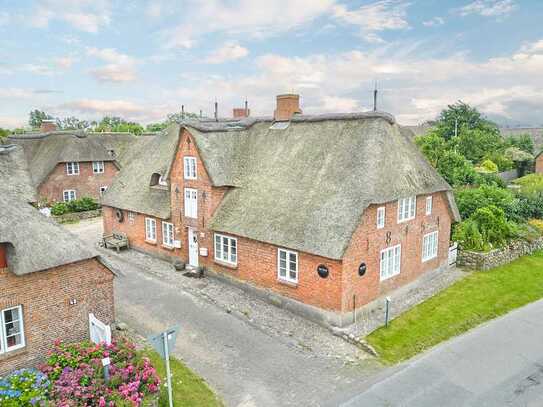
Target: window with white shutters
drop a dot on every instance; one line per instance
(191, 203)
(429, 246)
(390, 263)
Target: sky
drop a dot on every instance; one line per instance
(144, 59)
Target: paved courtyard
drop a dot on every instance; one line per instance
(251, 353)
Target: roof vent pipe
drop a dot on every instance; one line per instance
(375, 97)
(216, 111)
(182, 112)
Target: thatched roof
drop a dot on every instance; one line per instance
(34, 242)
(45, 150)
(302, 184)
(131, 189)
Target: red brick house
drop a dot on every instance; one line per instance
(67, 165)
(49, 281)
(326, 210)
(539, 163)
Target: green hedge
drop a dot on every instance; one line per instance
(77, 205)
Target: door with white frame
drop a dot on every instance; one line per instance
(193, 247)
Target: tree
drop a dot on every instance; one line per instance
(474, 144)
(3, 134)
(118, 124)
(36, 117)
(73, 123)
(523, 142)
(461, 116)
(433, 146)
(456, 169)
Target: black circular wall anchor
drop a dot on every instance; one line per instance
(119, 215)
(323, 271)
(362, 269)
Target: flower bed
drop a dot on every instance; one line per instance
(74, 376)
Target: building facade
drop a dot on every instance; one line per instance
(323, 243)
(539, 164)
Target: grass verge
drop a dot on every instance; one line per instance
(189, 390)
(477, 298)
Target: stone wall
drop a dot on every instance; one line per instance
(497, 257)
(77, 216)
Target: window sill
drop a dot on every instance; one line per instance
(429, 259)
(168, 247)
(12, 353)
(405, 220)
(153, 242)
(225, 264)
(388, 278)
(287, 283)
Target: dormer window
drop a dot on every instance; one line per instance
(158, 179)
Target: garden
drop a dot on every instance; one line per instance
(469, 152)
(73, 375)
(77, 205)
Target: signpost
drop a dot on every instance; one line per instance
(162, 343)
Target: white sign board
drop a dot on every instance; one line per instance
(98, 331)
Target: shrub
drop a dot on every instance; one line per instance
(24, 388)
(537, 223)
(471, 199)
(77, 205)
(456, 169)
(77, 375)
(531, 184)
(498, 158)
(488, 166)
(59, 208)
(487, 228)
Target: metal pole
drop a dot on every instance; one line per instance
(168, 373)
(387, 313)
(354, 308)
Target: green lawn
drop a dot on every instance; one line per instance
(477, 298)
(189, 390)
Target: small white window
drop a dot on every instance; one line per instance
(429, 205)
(407, 208)
(12, 329)
(226, 249)
(150, 230)
(69, 195)
(72, 168)
(191, 203)
(391, 259)
(381, 217)
(167, 234)
(287, 265)
(430, 244)
(131, 217)
(102, 190)
(189, 167)
(98, 167)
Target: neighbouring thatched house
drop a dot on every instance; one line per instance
(330, 211)
(67, 165)
(49, 281)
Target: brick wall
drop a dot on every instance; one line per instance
(368, 241)
(49, 317)
(539, 164)
(86, 183)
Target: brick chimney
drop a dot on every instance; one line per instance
(48, 125)
(287, 106)
(240, 112)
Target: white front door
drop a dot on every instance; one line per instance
(193, 248)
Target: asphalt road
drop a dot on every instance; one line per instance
(498, 364)
(244, 365)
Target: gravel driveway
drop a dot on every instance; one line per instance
(251, 353)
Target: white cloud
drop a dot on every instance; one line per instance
(15, 93)
(65, 62)
(119, 68)
(4, 18)
(375, 17)
(154, 10)
(85, 15)
(36, 69)
(433, 22)
(489, 8)
(11, 122)
(241, 17)
(229, 51)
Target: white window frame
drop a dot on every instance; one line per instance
(189, 167)
(131, 217)
(72, 168)
(103, 189)
(287, 267)
(407, 209)
(98, 167)
(430, 246)
(168, 234)
(191, 204)
(162, 181)
(381, 217)
(230, 255)
(69, 197)
(150, 230)
(3, 334)
(390, 262)
(429, 205)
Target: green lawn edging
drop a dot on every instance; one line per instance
(469, 302)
